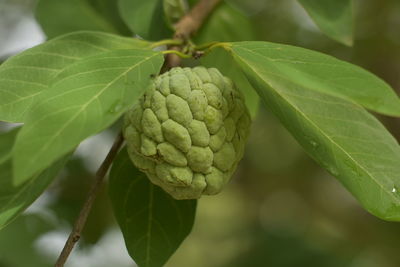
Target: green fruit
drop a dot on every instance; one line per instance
(188, 131)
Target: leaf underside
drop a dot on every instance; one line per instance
(152, 222)
(340, 135)
(84, 99)
(320, 72)
(24, 76)
(333, 17)
(145, 18)
(15, 199)
(66, 16)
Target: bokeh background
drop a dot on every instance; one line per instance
(281, 209)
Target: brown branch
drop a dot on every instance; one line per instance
(193, 20)
(187, 26)
(81, 220)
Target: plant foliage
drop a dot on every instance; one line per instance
(92, 70)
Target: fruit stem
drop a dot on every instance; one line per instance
(188, 25)
(176, 52)
(211, 46)
(166, 42)
(205, 45)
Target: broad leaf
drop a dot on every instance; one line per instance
(24, 76)
(21, 238)
(174, 10)
(226, 24)
(333, 17)
(152, 222)
(6, 143)
(65, 16)
(319, 72)
(145, 18)
(85, 98)
(340, 135)
(15, 199)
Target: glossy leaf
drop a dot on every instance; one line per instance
(333, 17)
(65, 16)
(85, 98)
(320, 72)
(340, 135)
(145, 18)
(24, 76)
(152, 222)
(15, 199)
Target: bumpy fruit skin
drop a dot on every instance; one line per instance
(188, 131)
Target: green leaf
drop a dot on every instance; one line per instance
(221, 60)
(320, 72)
(85, 99)
(24, 76)
(15, 199)
(145, 18)
(340, 135)
(174, 10)
(333, 17)
(226, 24)
(6, 143)
(152, 222)
(21, 238)
(65, 16)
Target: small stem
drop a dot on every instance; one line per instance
(176, 52)
(188, 25)
(216, 44)
(206, 45)
(193, 20)
(166, 42)
(81, 220)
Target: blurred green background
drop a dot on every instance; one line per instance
(281, 209)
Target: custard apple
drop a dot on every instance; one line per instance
(188, 131)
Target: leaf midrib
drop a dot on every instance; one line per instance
(345, 65)
(51, 140)
(322, 92)
(321, 131)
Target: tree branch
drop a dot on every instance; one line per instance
(187, 26)
(81, 220)
(193, 20)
